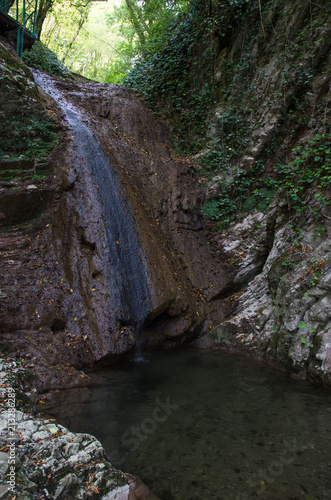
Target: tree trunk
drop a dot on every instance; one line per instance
(136, 23)
(44, 6)
(82, 20)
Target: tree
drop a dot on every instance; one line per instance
(43, 7)
(137, 21)
(149, 20)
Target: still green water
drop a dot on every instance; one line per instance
(208, 426)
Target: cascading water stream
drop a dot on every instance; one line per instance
(128, 271)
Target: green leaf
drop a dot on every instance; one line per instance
(302, 324)
(303, 341)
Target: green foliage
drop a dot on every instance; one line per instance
(150, 19)
(252, 190)
(40, 57)
(241, 192)
(80, 36)
(310, 166)
(164, 77)
(316, 278)
(100, 40)
(211, 209)
(28, 137)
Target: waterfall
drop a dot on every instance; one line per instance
(128, 271)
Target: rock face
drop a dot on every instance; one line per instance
(280, 308)
(91, 289)
(273, 93)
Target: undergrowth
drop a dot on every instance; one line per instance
(33, 137)
(42, 58)
(254, 190)
(208, 82)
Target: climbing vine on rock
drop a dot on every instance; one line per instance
(244, 85)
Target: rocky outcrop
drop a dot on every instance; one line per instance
(280, 308)
(269, 138)
(48, 460)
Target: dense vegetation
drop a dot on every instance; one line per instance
(102, 40)
(40, 57)
(221, 73)
(27, 130)
(210, 93)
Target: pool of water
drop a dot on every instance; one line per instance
(208, 426)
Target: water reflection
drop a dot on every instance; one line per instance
(208, 426)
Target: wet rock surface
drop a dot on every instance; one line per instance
(165, 201)
(63, 301)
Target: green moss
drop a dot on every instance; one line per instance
(27, 128)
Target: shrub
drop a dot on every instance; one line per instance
(40, 57)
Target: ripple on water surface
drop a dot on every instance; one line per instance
(197, 425)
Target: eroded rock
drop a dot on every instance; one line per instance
(283, 313)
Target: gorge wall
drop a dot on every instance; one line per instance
(234, 241)
(269, 141)
(64, 305)
(247, 272)
(245, 87)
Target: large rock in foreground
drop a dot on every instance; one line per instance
(51, 462)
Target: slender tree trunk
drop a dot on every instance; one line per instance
(136, 22)
(82, 20)
(44, 6)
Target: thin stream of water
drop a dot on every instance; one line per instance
(197, 425)
(128, 271)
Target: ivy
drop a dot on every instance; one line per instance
(310, 166)
(209, 89)
(40, 57)
(170, 81)
(248, 191)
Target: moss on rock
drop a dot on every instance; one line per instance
(27, 128)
